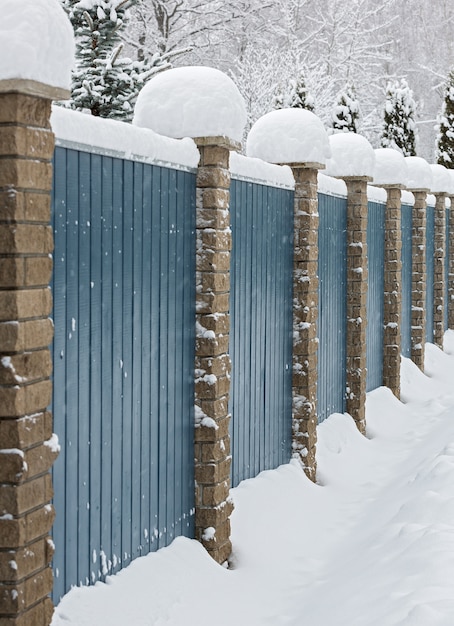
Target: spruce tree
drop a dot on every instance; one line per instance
(445, 137)
(298, 96)
(103, 82)
(345, 116)
(399, 128)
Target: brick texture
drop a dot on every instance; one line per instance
(26, 453)
(393, 292)
(305, 314)
(439, 269)
(212, 368)
(356, 300)
(418, 285)
(450, 277)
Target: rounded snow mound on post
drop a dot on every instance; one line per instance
(289, 136)
(441, 179)
(191, 102)
(36, 44)
(390, 168)
(351, 156)
(419, 174)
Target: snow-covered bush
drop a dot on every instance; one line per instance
(346, 111)
(103, 81)
(445, 137)
(399, 127)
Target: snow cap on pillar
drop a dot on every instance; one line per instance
(441, 180)
(191, 102)
(390, 168)
(419, 174)
(289, 136)
(352, 156)
(37, 48)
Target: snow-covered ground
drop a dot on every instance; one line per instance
(371, 545)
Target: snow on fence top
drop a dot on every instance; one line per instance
(331, 186)
(103, 136)
(390, 168)
(419, 174)
(258, 171)
(441, 179)
(376, 194)
(351, 156)
(407, 197)
(191, 102)
(289, 136)
(36, 43)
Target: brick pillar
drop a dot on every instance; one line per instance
(356, 299)
(212, 439)
(439, 268)
(450, 277)
(305, 314)
(418, 286)
(28, 448)
(393, 292)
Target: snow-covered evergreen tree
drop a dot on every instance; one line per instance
(445, 137)
(345, 115)
(399, 127)
(103, 82)
(298, 96)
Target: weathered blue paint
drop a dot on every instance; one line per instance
(332, 315)
(124, 310)
(407, 228)
(446, 294)
(375, 294)
(261, 327)
(430, 247)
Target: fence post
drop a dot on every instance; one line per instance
(419, 182)
(353, 160)
(391, 174)
(212, 439)
(28, 448)
(440, 187)
(392, 344)
(297, 138)
(205, 104)
(305, 314)
(356, 298)
(418, 288)
(450, 277)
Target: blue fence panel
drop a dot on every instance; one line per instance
(124, 307)
(332, 319)
(375, 294)
(446, 295)
(430, 248)
(261, 327)
(407, 229)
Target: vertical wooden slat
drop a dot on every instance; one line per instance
(117, 361)
(59, 386)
